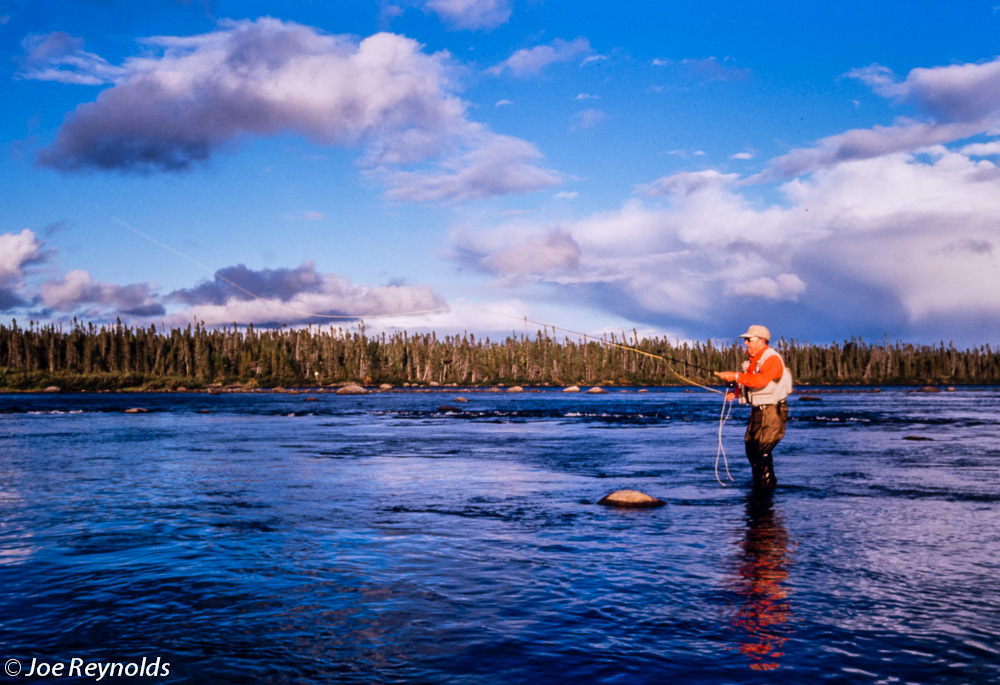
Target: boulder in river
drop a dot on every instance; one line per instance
(632, 499)
(572, 388)
(352, 389)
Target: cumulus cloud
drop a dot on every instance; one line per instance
(296, 296)
(953, 93)
(471, 14)
(531, 61)
(519, 259)
(686, 183)
(18, 251)
(860, 144)
(953, 102)
(60, 57)
(783, 287)
(881, 245)
(498, 165)
(178, 107)
(78, 291)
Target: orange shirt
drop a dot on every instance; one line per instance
(770, 370)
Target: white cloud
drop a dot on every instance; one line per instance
(861, 144)
(333, 299)
(18, 250)
(953, 93)
(520, 259)
(471, 14)
(783, 287)
(496, 165)
(77, 291)
(531, 61)
(686, 183)
(955, 102)
(588, 118)
(173, 110)
(982, 149)
(742, 155)
(886, 244)
(60, 57)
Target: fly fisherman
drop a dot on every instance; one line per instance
(764, 383)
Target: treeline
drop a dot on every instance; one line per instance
(119, 356)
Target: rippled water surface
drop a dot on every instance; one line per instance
(413, 537)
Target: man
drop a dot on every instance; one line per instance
(764, 383)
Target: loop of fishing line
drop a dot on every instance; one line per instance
(727, 407)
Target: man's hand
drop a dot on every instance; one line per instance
(727, 376)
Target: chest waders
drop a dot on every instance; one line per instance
(766, 427)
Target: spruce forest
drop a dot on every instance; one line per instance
(88, 357)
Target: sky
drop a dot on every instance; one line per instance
(684, 170)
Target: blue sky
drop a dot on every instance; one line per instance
(682, 169)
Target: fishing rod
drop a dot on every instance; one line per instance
(610, 343)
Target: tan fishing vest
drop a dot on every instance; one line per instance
(773, 392)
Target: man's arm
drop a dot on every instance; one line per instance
(771, 370)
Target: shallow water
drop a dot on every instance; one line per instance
(408, 537)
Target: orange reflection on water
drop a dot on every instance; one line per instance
(760, 574)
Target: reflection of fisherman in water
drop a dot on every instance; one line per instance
(761, 571)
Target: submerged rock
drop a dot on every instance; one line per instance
(632, 499)
(596, 391)
(136, 410)
(515, 388)
(916, 437)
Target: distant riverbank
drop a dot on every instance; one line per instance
(110, 358)
(106, 385)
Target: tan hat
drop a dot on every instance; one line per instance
(756, 331)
